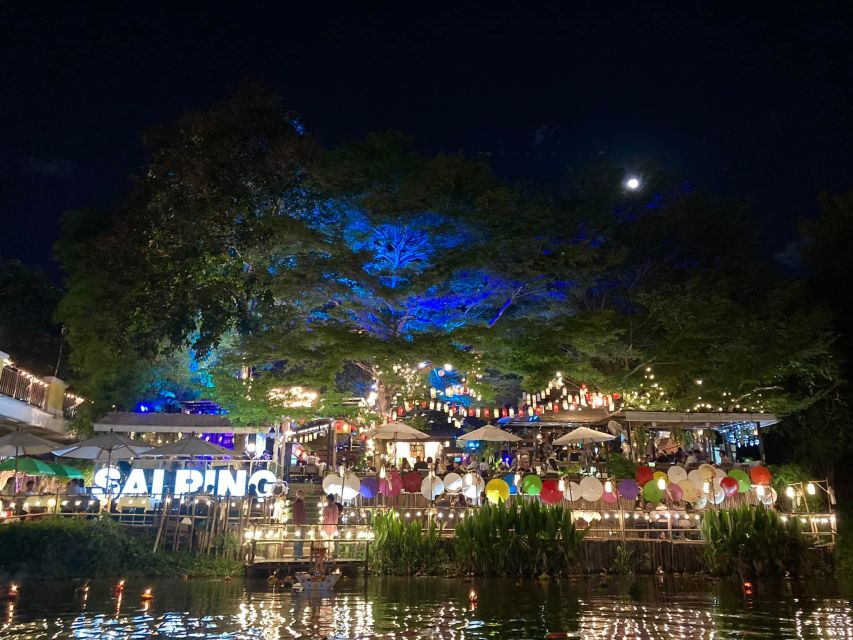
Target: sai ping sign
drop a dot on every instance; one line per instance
(225, 482)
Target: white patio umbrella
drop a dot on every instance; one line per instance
(489, 433)
(584, 435)
(104, 447)
(397, 431)
(190, 447)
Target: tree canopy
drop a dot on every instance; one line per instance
(272, 263)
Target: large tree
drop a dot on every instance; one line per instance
(28, 331)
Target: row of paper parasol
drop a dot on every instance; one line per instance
(698, 487)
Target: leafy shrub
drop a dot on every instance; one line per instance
(57, 548)
(524, 538)
(406, 547)
(618, 466)
(751, 542)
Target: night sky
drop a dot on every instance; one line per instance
(754, 102)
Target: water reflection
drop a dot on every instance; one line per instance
(430, 608)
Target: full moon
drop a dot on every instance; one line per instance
(632, 183)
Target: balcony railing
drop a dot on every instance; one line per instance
(21, 385)
(24, 386)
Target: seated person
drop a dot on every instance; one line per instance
(420, 465)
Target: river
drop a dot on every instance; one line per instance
(668, 608)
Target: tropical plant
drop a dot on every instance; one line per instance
(520, 538)
(751, 542)
(406, 547)
(623, 563)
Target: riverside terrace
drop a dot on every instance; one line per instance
(658, 505)
(668, 532)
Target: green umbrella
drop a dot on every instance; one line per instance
(30, 466)
(65, 471)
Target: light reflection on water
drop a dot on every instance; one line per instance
(430, 608)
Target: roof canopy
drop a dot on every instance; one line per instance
(171, 423)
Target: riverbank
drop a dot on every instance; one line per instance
(60, 548)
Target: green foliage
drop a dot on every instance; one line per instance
(524, 538)
(623, 563)
(618, 466)
(406, 547)
(796, 474)
(752, 542)
(28, 331)
(55, 548)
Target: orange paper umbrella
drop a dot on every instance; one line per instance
(760, 475)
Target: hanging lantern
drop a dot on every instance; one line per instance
(565, 405)
(511, 412)
(477, 412)
(470, 412)
(504, 412)
(423, 404)
(565, 391)
(530, 411)
(432, 392)
(611, 406)
(486, 413)
(399, 411)
(538, 411)
(556, 407)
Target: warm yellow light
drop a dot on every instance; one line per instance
(562, 485)
(608, 487)
(810, 489)
(661, 484)
(759, 490)
(790, 492)
(382, 473)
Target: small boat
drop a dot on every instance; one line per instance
(318, 579)
(310, 582)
